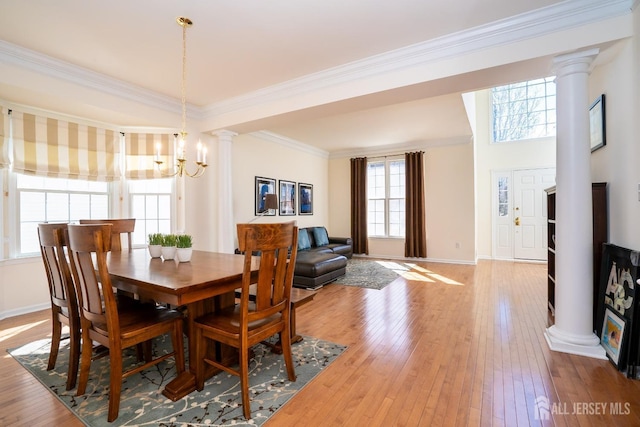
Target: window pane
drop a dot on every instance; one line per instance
(32, 207)
(80, 207)
(57, 207)
(524, 110)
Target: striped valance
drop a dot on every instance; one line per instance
(60, 149)
(4, 138)
(141, 151)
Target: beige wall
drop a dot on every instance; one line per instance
(449, 205)
(618, 163)
(253, 156)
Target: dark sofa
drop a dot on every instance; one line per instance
(321, 259)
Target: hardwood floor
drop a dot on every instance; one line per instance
(454, 345)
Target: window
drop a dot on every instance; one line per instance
(151, 207)
(386, 193)
(503, 196)
(43, 199)
(524, 110)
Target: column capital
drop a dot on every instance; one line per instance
(574, 62)
(224, 134)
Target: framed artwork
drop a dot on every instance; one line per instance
(597, 125)
(305, 197)
(613, 335)
(264, 186)
(287, 197)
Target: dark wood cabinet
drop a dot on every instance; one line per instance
(600, 236)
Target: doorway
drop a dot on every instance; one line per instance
(520, 213)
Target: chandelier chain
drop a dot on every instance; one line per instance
(184, 79)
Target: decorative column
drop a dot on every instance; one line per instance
(226, 225)
(573, 329)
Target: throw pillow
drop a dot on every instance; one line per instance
(321, 236)
(303, 240)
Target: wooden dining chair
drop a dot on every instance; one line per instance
(64, 304)
(119, 227)
(250, 322)
(114, 325)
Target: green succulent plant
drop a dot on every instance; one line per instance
(184, 241)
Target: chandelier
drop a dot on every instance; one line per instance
(181, 138)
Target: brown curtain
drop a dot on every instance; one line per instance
(416, 230)
(359, 205)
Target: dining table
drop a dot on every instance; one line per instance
(202, 285)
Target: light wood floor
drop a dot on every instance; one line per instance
(455, 346)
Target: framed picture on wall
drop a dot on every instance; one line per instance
(597, 125)
(287, 197)
(305, 198)
(264, 186)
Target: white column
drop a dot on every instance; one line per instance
(573, 329)
(226, 226)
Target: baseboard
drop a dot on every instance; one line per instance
(23, 310)
(400, 258)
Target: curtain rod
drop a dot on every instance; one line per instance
(390, 155)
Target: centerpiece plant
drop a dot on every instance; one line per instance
(185, 250)
(169, 242)
(155, 244)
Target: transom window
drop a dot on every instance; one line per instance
(524, 110)
(386, 198)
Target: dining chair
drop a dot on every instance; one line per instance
(119, 227)
(64, 304)
(250, 322)
(116, 325)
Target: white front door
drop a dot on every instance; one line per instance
(530, 212)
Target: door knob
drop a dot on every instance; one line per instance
(517, 220)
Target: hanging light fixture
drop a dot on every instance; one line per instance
(181, 139)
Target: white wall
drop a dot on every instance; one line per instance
(500, 157)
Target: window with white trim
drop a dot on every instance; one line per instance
(524, 110)
(386, 198)
(150, 201)
(43, 199)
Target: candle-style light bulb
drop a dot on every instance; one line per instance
(199, 153)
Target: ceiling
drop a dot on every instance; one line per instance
(237, 48)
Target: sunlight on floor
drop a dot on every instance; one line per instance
(415, 272)
(11, 332)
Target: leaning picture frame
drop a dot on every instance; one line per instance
(612, 338)
(264, 186)
(305, 199)
(597, 124)
(287, 198)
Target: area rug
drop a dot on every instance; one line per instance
(370, 274)
(218, 404)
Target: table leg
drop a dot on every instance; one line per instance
(185, 383)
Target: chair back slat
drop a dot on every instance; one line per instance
(276, 244)
(89, 244)
(52, 247)
(119, 226)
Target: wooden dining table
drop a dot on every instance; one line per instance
(205, 284)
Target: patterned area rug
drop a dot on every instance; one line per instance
(371, 274)
(218, 404)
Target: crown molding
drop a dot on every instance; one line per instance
(395, 149)
(557, 17)
(48, 66)
(290, 143)
(537, 23)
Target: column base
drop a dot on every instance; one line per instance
(581, 345)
